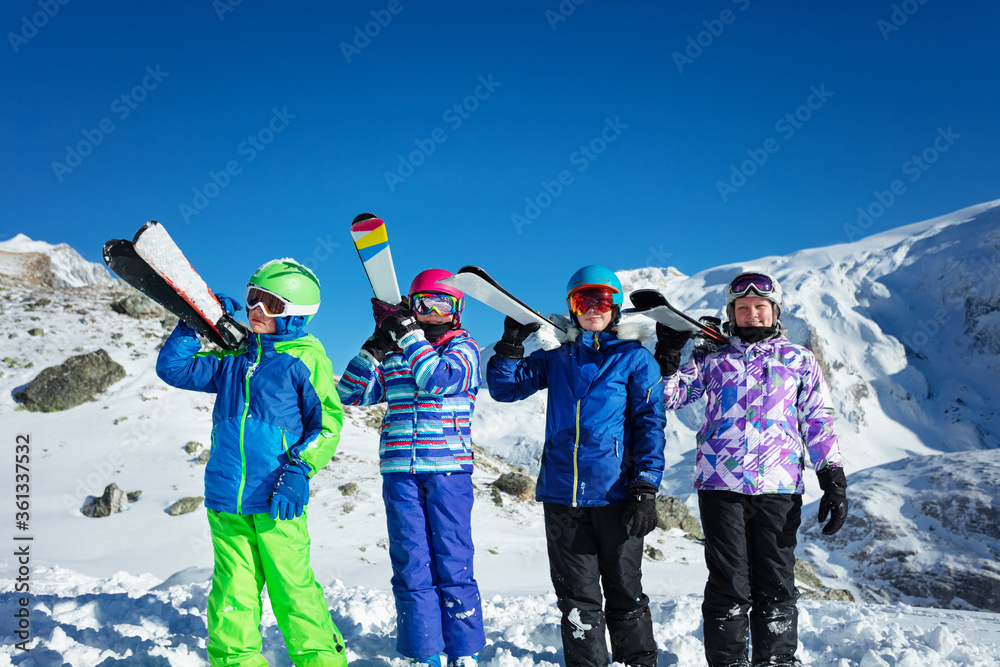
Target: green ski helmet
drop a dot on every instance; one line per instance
(292, 282)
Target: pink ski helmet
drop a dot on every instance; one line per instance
(426, 281)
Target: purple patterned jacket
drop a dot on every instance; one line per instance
(768, 404)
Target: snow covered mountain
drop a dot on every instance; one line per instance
(40, 263)
(907, 324)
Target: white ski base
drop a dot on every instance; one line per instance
(159, 250)
(483, 291)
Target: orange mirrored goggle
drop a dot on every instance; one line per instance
(599, 299)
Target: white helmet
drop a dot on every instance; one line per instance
(754, 282)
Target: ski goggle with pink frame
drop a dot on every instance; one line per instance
(425, 303)
(746, 283)
(274, 305)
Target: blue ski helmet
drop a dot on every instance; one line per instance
(595, 276)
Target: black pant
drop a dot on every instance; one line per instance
(588, 547)
(750, 553)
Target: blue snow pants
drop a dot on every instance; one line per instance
(430, 545)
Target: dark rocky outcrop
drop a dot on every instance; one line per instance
(812, 588)
(924, 530)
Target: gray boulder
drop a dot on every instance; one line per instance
(139, 307)
(113, 501)
(671, 512)
(185, 505)
(516, 484)
(73, 382)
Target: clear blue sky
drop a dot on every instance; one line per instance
(642, 109)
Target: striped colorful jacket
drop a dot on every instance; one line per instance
(275, 402)
(768, 405)
(431, 394)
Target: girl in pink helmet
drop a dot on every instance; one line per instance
(426, 368)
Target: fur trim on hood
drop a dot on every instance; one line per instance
(631, 329)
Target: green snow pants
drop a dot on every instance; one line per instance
(251, 550)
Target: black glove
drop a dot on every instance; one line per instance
(398, 325)
(640, 512)
(669, 343)
(510, 344)
(833, 481)
(382, 310)
(378, 345)
(704, 345)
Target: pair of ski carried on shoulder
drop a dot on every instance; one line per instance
(153, 264)
(372, 243)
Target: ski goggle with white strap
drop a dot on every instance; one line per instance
(425, 303)
(273, 305)
(746, 283)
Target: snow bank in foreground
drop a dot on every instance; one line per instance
(82, 620)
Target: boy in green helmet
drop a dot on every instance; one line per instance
(276, 422)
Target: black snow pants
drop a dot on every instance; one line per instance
(750, 594)
(589, 547)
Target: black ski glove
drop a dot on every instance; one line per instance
(378, 345)
(704, 345)
(382, 310)
(669, 343)
(833, 481)
(640, 512)
(398, 325)
(511, 344)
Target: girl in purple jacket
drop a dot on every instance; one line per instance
(767, 407)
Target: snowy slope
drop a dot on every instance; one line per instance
(135, 583)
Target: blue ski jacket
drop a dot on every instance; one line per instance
(275, 402)
(431, 390)
(605, 418)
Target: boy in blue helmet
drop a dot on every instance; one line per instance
(276, 422)
(426, 367)
(601, 467)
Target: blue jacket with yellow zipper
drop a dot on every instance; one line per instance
(275, 402)
(605, 418)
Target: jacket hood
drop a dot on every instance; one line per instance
(268, 341)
